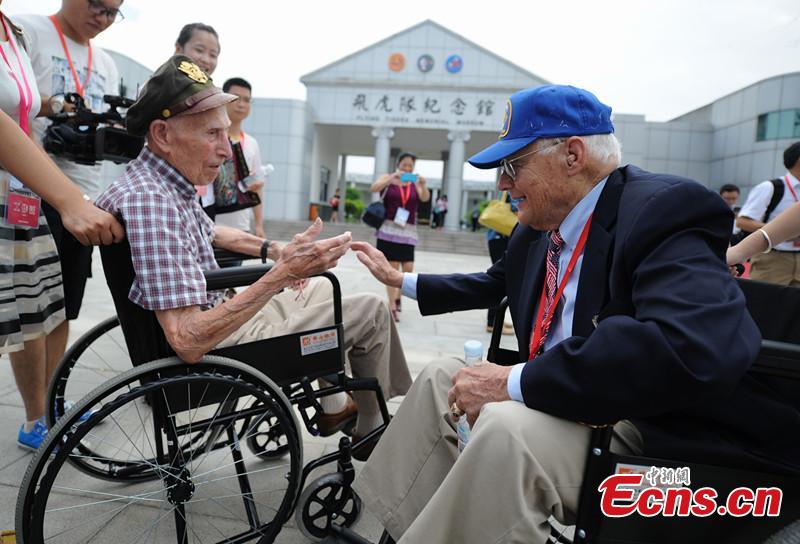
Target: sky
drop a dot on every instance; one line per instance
(657, 58)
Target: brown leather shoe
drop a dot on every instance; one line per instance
(328, 424)
(363, 453)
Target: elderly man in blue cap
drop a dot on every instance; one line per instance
(625, 315)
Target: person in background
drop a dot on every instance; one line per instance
(765, 201)
(401, 191)
(65, 60)
(498, 244)
(32, 304)
(441, 202)
(476, 213)
(784, 227)
(200, 42)
(730, 194)
(238, 111)
(334, 202)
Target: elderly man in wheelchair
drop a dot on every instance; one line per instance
(166, 439)
(633, 340)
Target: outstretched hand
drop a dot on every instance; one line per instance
(305, 256)
(376, 263)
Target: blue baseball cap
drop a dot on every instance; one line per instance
(549, 111)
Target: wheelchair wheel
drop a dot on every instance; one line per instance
(788, 535)
(266, 438)
(325, 501)
(207, 487)
(95, 358)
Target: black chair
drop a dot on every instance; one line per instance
(218, 439)
(779, 363)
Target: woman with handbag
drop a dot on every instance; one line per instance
(401, 192)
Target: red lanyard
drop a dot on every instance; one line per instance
(25, 100)
(241, 140)
(791, 189)
(541, 326)
(405, 195)
(78, 87)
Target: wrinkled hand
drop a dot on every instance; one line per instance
(376, 263)
(475, 386)
(304, 256)
(91, 225)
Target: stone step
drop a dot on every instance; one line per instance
(444, 241)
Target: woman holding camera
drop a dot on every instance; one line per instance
(402, 191)
(31, 293)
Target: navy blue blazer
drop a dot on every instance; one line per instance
(661, 334)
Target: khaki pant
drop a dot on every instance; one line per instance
(781, 267)
(370, 338)
(520, 467)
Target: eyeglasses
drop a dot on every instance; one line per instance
(507, 165)
(98, 8)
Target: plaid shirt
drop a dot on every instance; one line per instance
(169, 234)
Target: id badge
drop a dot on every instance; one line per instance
(22, 206)
(401, 217)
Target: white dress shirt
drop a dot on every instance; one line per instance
(561, 328)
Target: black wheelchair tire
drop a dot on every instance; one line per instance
(341, 505)
(68, 432)
(788, 535)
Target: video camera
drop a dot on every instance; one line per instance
(86, 137)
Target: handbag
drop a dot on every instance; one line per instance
(230, 194)
(498, 216)
(375, 213)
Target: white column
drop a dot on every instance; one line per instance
(383, 151)
(455, 171)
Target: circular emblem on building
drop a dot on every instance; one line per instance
(454, 64)
(425, 63)
(506, 121)
(397, 62)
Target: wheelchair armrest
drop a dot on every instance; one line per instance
(223, 256)
(239, 276)
(778, 359)
(496, 354)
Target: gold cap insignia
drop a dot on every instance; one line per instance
(193, 71)
(166, 113)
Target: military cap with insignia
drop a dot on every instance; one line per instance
(178, 87)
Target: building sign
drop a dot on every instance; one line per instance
(425, 63)
(423, 109)
(397, 62)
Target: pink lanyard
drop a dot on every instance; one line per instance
(25, 100)
(241, 139)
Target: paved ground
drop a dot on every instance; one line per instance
(423, 339)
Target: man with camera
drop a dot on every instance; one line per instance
(65, 61)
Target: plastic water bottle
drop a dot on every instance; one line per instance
(473, 355)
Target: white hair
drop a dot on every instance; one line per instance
(604, 148)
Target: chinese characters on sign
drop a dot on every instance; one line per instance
(423, 110)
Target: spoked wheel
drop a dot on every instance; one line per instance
(95, 358)
(325, 501)
(265, 437)
(206, 489)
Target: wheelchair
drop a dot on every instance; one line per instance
(779, 360)
(165, 451)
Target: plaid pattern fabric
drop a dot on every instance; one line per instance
(169, 234)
